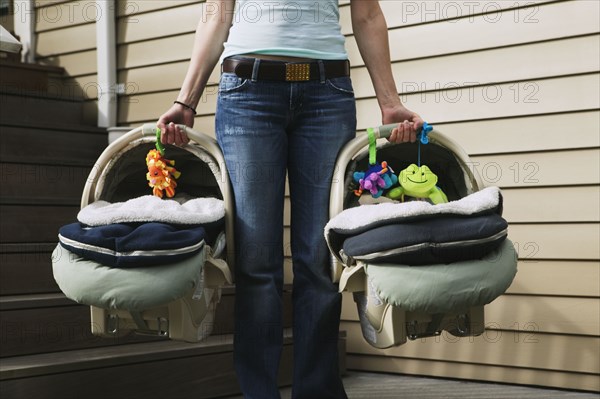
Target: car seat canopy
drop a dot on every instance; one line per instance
(124, 176)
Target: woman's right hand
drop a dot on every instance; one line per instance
(170, 133)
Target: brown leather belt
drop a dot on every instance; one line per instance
(285, 71)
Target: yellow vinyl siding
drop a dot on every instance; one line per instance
(130, 8)
(560, 204)
(54, 15)
(155, 40)
(563, 168)
(135, 26)
(77, 65)
(479, 32)
(61, 41)
(527, 133)
(556, 241)
(557, 277)
(407, 13)
(508, 64)
(155, 52)
(8, 21)
(66, 37)
(170, 77)
(561, 94)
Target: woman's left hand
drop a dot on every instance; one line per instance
(409, 124)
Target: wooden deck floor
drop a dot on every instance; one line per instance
(361, 385)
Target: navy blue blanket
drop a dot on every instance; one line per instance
(133, 244)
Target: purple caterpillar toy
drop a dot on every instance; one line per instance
(377, 178)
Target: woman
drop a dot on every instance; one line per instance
(285, 104)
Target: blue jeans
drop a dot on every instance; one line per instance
(266, 128)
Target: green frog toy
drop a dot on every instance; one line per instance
(418, 182)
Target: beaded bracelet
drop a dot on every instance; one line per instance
(185, 106)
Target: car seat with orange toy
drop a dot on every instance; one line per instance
(142, 263)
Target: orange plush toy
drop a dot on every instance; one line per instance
(161, 174)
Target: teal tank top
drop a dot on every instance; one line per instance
(294, 28)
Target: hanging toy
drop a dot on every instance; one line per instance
(418, 181)
(378, 177)
(161, 174)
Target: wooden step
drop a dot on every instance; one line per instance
(31, 107)
(26, 269)
(51, 145)
(44, 323)
(34, 223)
(166, 369)
(31, 184)
(31, 77)
(147, 370)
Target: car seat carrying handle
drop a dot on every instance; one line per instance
(151, 130)
(385, 131)
(358, 144)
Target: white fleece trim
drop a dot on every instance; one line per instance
(149, 208)
(354, 218)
